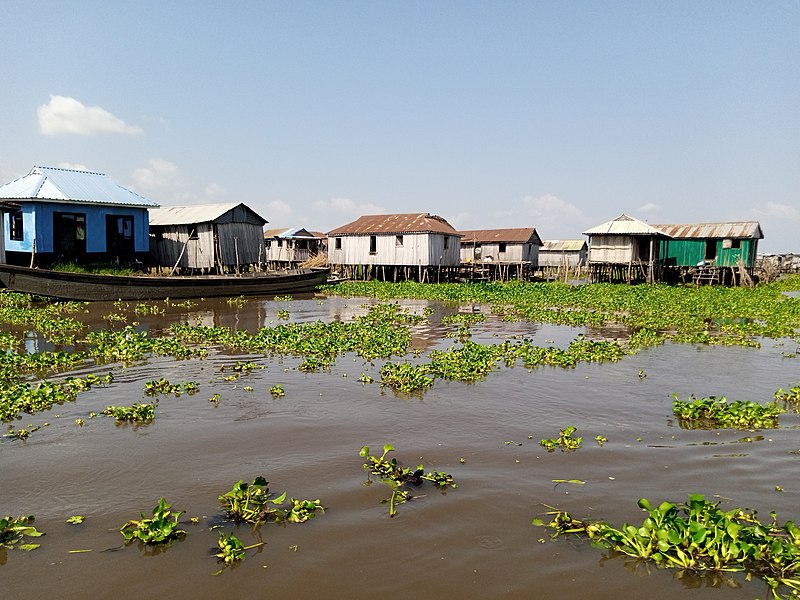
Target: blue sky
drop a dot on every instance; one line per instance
(556, 115)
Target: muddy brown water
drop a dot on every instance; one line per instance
(475, 541)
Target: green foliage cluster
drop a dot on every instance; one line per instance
(699, 536)
(136, 413)
(472, 362)
(564, 441)
(12, 532)
(130, 345)
(790, 395)
(23, 397)
(400, 479)
(251, 503)
(712, 412)
(161, 529)
(163, 386)
(663, 311)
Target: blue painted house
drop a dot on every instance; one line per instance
(77, 216)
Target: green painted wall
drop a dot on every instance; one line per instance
(688, 252)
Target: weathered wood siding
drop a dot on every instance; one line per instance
(240, 243)
(689, 252)
(611, 249)
(199, 253)
(562, 258)
(415, 249)
(515, 253)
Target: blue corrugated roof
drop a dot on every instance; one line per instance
(68, 185)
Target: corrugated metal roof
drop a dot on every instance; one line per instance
(68, 185)
(563, 246)
(624, 225)
(733, 229)
(295, 233)
(518, 235)
(398, 223)
(198, 213)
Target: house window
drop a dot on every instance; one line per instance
(193, 235)
(711, 250)
(301, 244)
(501, 247)
(446, 242)
(398, 241)
(269, 244)
(280, 243)
(337, 244)
(15, 225)
(373, 244)
(736, 244)
(119, 236)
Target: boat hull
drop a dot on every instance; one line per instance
(91, 287)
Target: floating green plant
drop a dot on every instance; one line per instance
(163, 386)
(277, 391)
(712, 412)
(564, 441)
(790, 395)
(13, 531)
(400, 479)
(251, 503)
(136, 413)
(699, 536)
(161, 529)
(231, 548)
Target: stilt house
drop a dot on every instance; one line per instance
(399, 246)
(624, 249)
(710, 252)
(207, 238)
(76, 216)
(559, 254)
(514, 246)
(290, 247)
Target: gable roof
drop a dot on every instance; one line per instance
(624, 225)
(199, 213)
(733, 229)
(68, 185)
(295, 233)
(395, 224)
(563, 246)
(518, 235)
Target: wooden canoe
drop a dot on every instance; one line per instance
(89, 287)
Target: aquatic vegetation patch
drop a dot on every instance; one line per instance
(163, 386)
(13, 531)
(130, 345)
(712, 413)
(136, 413)
(163, 528)
(251, 503)
(565, 440)
(699, 536)
(790, 395)
(405, 377)
(23, 397)
(401, 479)
(231, 549)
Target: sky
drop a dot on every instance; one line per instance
(558, 115)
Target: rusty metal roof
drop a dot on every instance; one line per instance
(518, 235)
(563, 246)
(624, 225)
(52, 184)
(395, 224)
(734, 229)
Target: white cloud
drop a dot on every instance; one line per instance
(73, 166)
(780, 211)
(159, 174)
(649, 208)
(348, 207)
(279, 212)
(65, 115)
(550, 208)
(214, 189)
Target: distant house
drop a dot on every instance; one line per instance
(518, 245)
(624, 249)
(207, 237)
(290, 247)
(558, 254)
(69, 215)
(710, 244)
(404, 243)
